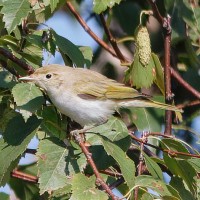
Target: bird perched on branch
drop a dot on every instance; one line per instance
(86, 96)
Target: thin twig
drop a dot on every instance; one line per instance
(112, 40)
(170, 152)
(185, 84)
(21, 63)
(188, 104)
(88, 30)
(79, 139)
(110, 173)
(156, 12)
(24, 176)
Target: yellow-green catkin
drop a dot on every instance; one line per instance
(143, 45)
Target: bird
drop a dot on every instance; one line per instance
(86, 96)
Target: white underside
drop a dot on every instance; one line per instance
(85, 112)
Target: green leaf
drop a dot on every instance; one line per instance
(195, 162)
(180, 167)
(51, 164)
(52, 122)
(181, 12)
(146, 118)
(16, 138)
(14, 13)
(56, 3)
(85, 188)
(4, 196)
(6, 80)
(28, 98)
(153, 167)
(6, 116)
(88, 54)
(159, 80)
(140, 76)
(177, 183)
(156, 185)
(127, 166)
(102, 5)
(68, 48)
(115, 130)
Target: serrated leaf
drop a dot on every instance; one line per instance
(68, 48)
(115, 130)
(102, 5)
(140, 76)
(126, 165)
(87, 190)
(16, 138)
(28, 98)
(156, 185)
(51, 164)
(14, 12)
(153, 167)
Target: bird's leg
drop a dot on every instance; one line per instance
(83, 130)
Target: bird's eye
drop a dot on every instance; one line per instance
(48, 76)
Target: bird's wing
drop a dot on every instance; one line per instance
(105, 89)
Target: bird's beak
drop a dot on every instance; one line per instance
(27, 78)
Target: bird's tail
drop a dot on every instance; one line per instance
(148, 103)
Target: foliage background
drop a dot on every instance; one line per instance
(122, 161)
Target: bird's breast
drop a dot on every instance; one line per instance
(83, 111)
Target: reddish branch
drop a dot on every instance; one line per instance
(88, 30)
(193, 103)
(21, 63)
(79, 139)
(24, 176)
(112, 40)
(170, 152)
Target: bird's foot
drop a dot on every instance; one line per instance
(78, 134)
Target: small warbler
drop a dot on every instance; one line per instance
(86, 96)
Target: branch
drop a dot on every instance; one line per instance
(24, 176)
(88, 30)
(79, 139)
(192, 103)
(184, 83)
(156, 12)
(12, 71)
(112, 40)
(21, 63)
(170, 152)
